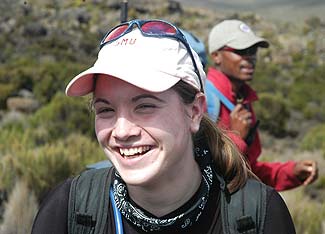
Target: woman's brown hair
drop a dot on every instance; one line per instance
(228, 161)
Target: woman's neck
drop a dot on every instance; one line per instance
(165, 196)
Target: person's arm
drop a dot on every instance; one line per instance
(277, 174)
(286, 175)
(52, 217)
(278, 219)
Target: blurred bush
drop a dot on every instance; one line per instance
(265, 78)
(299, 77)
(272, 111)
(305, 93)
(308, 215)
(314, 139)
(45, 80)
(45, 166)
(52, 77)
(63, 116)
(5, 91)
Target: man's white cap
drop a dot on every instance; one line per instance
(235, 34)
(151, 63)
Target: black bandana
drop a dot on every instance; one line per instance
(181, 220)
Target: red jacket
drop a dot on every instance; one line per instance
(276, 174)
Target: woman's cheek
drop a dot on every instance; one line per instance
(101, 131)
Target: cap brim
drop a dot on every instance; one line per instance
(240, 45)
(83, 83)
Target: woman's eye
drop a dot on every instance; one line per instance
(146, 106)
(103, 110)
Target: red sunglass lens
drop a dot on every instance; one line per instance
(245, 52)
(116, 33)
(226, 48)
(157, 27)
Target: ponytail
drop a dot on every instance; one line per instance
(228, 161)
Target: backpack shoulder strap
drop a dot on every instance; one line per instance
(89, 201)
(214, 97)
(244, 211)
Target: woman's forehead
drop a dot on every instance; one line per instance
(106, 83)
(112, 87)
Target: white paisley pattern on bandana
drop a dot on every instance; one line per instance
(143, 221)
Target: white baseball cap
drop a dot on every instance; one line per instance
(235, 34)
(151, 63)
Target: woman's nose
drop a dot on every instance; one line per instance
(124, 129)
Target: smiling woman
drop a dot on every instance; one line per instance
(173, 170)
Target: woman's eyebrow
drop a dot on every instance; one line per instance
(101, 100)
(136, 98)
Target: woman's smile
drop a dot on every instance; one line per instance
(134, 151)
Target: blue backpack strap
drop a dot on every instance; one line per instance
(117, 213)
(213, 102)
(99, 165)
(214, 97)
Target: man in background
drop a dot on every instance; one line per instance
(233, 47)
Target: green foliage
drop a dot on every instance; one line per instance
(307, 214)
(5, 91)
(63, 116)
(45, 166)
(314, 21)
(43, 79)
(315, 139)
(18, 69)
(272, 111)
(320, 183)
(42, 166)
(306, 91)
(15, 136)
(300, 82)
(52, 77)
(16, 75)
(308, 97)
(265, 78)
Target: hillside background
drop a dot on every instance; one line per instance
(275, 10)
(46, 137)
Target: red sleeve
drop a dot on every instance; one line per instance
(276, 174)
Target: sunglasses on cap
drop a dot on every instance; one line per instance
(245, 52)
(151, 28)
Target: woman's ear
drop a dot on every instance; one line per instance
(198, 108)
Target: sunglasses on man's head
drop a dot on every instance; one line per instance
(245, 52)
(151, 28)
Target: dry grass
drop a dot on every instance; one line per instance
(306, 203)
(19, 210)
(308, 214)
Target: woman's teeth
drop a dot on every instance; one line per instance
(133, 151)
